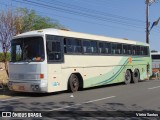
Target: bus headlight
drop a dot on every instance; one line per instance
(35, 87)
(10, 85)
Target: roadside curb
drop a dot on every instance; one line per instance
(4, 90)
(3, 97)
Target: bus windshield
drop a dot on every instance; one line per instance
(155, 57)
(29, 49)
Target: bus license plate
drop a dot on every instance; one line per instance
(21, 87)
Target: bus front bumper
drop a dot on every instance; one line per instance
(40, 86)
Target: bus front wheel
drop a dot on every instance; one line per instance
(136, 76)
(128, 77)
(73, 84)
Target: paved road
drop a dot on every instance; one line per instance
(144, 96)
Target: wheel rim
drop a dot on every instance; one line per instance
(74, 84)
(136, 76)
(127, 76)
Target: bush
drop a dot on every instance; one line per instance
(2, 57)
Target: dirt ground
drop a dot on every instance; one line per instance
(3, 74)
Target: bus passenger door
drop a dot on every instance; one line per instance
(55, 57)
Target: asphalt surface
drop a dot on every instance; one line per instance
(142, 100)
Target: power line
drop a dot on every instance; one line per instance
(86, 15)
(83, 21)
(93, 11)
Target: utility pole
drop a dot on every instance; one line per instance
(147, 21)
(148, 3)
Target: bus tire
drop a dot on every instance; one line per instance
(73, 83)
(128, 77)
(136, 76)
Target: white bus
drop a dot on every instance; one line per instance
(51, 60)
(155, 60)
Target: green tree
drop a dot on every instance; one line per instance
(29, 20)
(7, 30)
(2, 57)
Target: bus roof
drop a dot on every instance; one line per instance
(67, 33)
(155, 53)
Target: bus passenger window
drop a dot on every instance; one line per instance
(65, 45)
(146, 50)
(77, 46)
(73, 45)
(142, 51)
(86, 47)
(94, 47)
(133, 50)
(137, 50)
(125, 49)
(119, 49)
(108, 48)
(114, 47)
(101, 48)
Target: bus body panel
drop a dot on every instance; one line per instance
(94, 73)
(97, 72)
(23, 75)
(55, 78)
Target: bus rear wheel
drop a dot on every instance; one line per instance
(128, 77)
(73, 84)
(136, 76)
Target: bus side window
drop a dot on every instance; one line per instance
(133, 50)
(72, 45)
(142, 51)
(129, 50)
(146, 50)
(77, 46)
(65, 45)
(94, 47)
(125, 49)
(114, 47)
(137, 50)
(86, 46)
(119, 49)
(101, 48)
(108, 48)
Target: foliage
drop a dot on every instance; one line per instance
(29, 20)
(7, 31)
(2, 57)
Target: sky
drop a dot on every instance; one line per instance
(113, 18)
